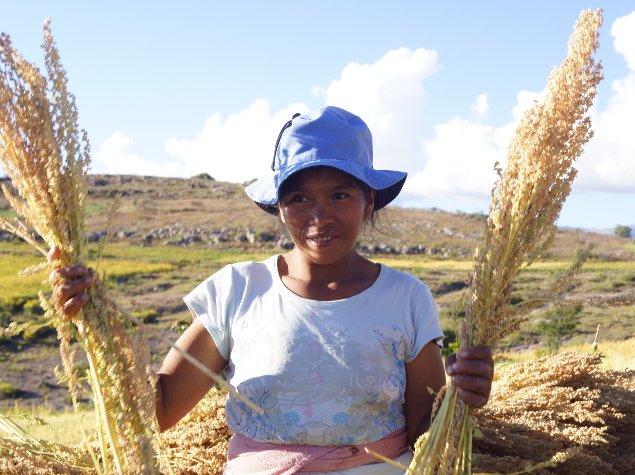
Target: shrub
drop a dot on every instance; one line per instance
(5, 315)
(599, 277)
(450, 345)
(8, 390)
(16, 304)
(179, 326)
(32, 307)
(148, 316)
(204, 176)
(43, 331)
(559, 323)
(622, 231)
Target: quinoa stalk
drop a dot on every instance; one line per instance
(526, 201)
(47, 158)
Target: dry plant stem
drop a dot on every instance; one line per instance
(20, 230)
(106, 419)
(385, 459)
(445, 454)
(47, 158)
(526, 201)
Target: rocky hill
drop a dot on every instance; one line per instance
(202, 212)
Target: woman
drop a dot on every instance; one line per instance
(338, 351)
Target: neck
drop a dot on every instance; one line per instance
(304, 270)
(344, 278)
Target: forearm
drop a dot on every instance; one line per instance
(159, 406)
(423, 427)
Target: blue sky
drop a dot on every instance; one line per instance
(167, 88)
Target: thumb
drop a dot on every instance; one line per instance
(54, 254)
(449, 361)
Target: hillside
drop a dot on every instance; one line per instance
(203, 213)
(172, 233)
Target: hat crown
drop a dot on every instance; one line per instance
(330, 137)
(330, 133)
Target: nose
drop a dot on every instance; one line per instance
(321, 213)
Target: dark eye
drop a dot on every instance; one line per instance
(340, 196)
(298, 198)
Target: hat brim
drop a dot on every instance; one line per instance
(387, 183)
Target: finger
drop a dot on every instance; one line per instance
(75, 286)
(73, 305)
(473, 399)
(93, 273)
(478, 352)
(54, 254)
(449, 361)
(67, 272)
(472, 389)
(72, 288)
(478, 368)
(72, 295)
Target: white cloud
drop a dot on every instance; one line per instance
(623, 31)
(389, 96)
(460, 157)
(609, 161)
(114, 157)
(237, 149)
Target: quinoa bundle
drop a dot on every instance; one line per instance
(557, 407)
(47, 157)
(198, 443)
(548, 406)
(526, 201)
(23, 454)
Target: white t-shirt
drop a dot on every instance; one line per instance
(325, 373)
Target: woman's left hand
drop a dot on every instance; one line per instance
(472, 373)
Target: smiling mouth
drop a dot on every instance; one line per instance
(321, 239)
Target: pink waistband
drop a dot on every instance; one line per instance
(248, 457)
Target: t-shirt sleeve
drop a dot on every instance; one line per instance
(425, 318)
(213, 302)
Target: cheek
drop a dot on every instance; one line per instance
(290, 218)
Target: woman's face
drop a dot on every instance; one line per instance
(324, 210)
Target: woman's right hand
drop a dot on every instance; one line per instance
(69, 284)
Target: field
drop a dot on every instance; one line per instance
(174, 233)
(151, 281)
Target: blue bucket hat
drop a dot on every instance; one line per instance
(329, 137)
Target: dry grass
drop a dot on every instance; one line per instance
(61, 427)
(13, 286)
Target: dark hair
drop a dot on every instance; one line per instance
(373, 222)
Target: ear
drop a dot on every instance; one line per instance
(370, 204)
(281, 214)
